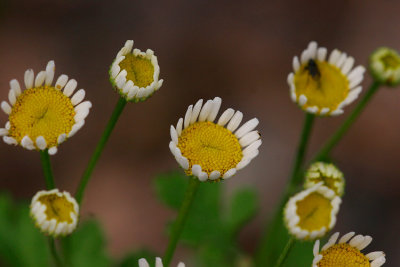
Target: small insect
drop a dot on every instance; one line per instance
(313, 69)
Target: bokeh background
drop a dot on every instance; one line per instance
(238, 50)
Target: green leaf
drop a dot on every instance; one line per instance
(243, 207)
(21, 244)
(86, 246)
(171, 188)
(132, 258)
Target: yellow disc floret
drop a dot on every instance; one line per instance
(58, 208)
(314, 212)
(211, 146)
(41, 111)
(139, 70)
(343, 255)
(322, 83)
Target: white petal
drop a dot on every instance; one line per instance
(196, 170)
(235, 121)
(341, 60)
(374, 255)
(3, 131)
(334, 56)
(188, 116)
(27, 143)
(196, 111)
(316, 248)
(40, 77)
(346, 237)
(9, 140)
(179, 126)
(247, 127)
(249, 138)
(347, 65)
(215, 175)
(41, 143)
(229, 173)
(226, 116)
(215, 108)
(254, 146)
(159, 262)
(296, 64)
(321, 53)
(6, 107)
(312, 49)
(205, 111)
(203, 176)
(12, 98)
(302, 100)
(143, 263)
(61, 81)
(78, 97)
(14, 84)
(61, 138)
(365, 243)
(52, 150)
(243, 163)
(378, 262)
(70, 87)
(357, 71)
(50, 69)
(29, 77)
(76, 127)
(174, 135)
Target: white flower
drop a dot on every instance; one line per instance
(134, 74)
(210, 150)
(43, 116)
(347, 253)
(55, 213)
(144, 263)
(324, 86)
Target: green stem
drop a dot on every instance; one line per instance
(48, 174)
(99, 148)
(181, 219)
(53, 251)
(264, 255)
(285, 252)
(337, 136)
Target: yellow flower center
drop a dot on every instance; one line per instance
(330, 182)
(391, 61)
(58, 208)
(343, 255)
(314, 212)
(140, 70)
(323, 84)
(41, 111)
(211, 146)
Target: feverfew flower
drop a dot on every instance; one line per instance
(322, 85)
(144, 263)
(384, 64)
(209, 150)
(312, 212)
(327, 173)
(347, 253)
(55, 213)
(134, 74)
(43, 116)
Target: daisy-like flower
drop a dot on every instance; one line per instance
(312, 212)
(43, 116)
(210, 150)
(327, 173)
(384, 64)
(324, 86)
(144, 263)
(346, 252)
(134, 74)
(55, 213)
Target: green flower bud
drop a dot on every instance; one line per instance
(384, 65)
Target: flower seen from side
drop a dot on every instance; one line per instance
(347, 252)
(55, 213)
(327, 173)
(213, 150)
(312, 212)
(134, 74)
(384, 65)
(43, 116)
(324, 85)
(144, 263)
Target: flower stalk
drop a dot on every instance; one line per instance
(99, 148)
(48, 173)
(288, 247)
(181, 219)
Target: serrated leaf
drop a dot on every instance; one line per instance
(86, 246)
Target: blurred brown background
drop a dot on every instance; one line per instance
(238, 50)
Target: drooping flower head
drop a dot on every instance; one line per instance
(346, 252)
(312, 212)
(384, 64)
(55, 213)
(134, 74)
(328, 174)
(324, 86)
(209, 150)
(43, 116)
(144, 263)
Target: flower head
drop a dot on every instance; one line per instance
(144, 263)
(55, 213)
(43, 116)
(312, 212)
(347, 253)
(384, 64)
(134, 74)
(210, 150)
(327, 173)
(324, 86)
